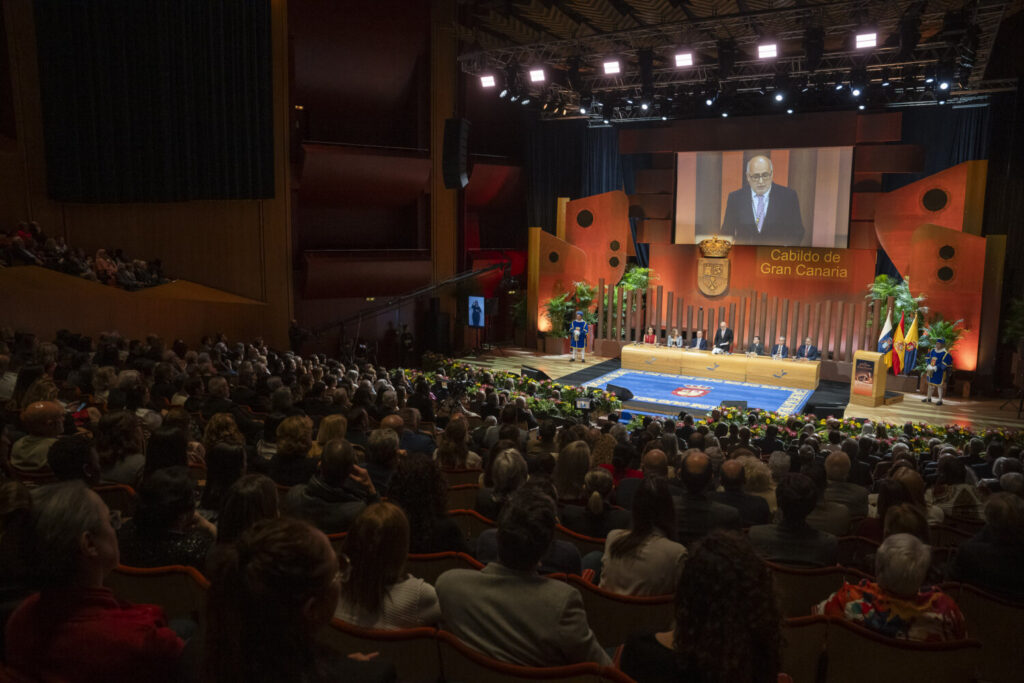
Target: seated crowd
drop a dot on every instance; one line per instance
(28, 245)
(244, 459)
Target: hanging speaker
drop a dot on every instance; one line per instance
(622, 393)
(742, 405)
(455, 162)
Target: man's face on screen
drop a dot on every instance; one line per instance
(759, 174)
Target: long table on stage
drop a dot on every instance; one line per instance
(738, 367)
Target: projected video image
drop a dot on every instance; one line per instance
(778, 197)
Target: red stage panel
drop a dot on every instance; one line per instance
(899, 213)
(599, 226)
(947, 266)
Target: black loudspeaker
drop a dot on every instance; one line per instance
(742, 405)
(622, 393)
(826, 410)
(533, 373)
(455, 162)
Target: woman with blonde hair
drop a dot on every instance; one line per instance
(378, 592)
(222, 427)
(103, 381)
(331, 427)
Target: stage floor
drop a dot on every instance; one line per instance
(680, 392)
(978, 412)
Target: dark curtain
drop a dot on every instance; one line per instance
(949, 137)
(156, 100)
(570, 159)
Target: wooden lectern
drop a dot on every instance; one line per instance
(867, 380)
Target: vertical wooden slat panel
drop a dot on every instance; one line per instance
(826, 325)
(844, 330)
(711, 322)
(784, 323)
(771, 317)
(635, 313)
(740, 331)
(836, 312)
(876, 317)
(616, 313)
(659, 320)
(815, 329)
(794, 317)
(689, 321)
(670, 318)
(762, 326)
(601, 327)
(855, 317)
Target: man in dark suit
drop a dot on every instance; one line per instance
(756, 347)
(699, 342)
(762, 212)
(753, 509)
(780, 349)
(808, 350)
(506, 610)
(792, 540)
(839, 490)
(696, 513)
(723, 337)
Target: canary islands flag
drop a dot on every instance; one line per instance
(898, 348)
(885, 340)
(910, 344)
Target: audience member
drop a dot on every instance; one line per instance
(508, 472)
(452, 450)
(74, 457)
(696, 514)
(727, 626)
(597, 518)
(269, 595)
(792, 540)
(381, 456)
(289, 465)
(44, 422)
(419, 488)
(15, 543)
(646, 559)
(839, 490)
(992, 558)
(571, 468)
(753, 509)
(377, 592)
(833, 518)
(74, 629)
(895, 605)
(120, 442)
(508, 611)
(225, 464)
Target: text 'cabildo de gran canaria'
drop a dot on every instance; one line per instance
(826, 264)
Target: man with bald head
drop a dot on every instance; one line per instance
(654, 464)
(44, 422)
(696, 513)
(763, 212)
(753, 509)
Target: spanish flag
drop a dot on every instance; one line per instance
(910, 344)
(885, 340)
(897, 348)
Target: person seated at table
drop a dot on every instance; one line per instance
(808, 350)
(756, 347)
(675, 339)
(650, 337)
(699, 342)
(780, 350)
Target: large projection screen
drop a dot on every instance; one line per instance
(806, 196)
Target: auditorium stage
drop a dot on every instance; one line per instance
(974, 412)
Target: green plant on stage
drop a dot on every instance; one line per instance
(560, 310)
(637, 277)
(938, 328)
(904, 303)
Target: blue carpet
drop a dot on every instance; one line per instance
(701, 393)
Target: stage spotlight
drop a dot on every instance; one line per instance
(504, 92)
(944, 75)
(611, 66)
(814, 47)
(767, 51)
(487, 81)
(525, 101)
(664, 118)
(536, 75)
(644, 105)
(789, 111)
(725, 114)
(709, 101)
(886, 81)
(929, 74)
(860, 106)
(779, 96)
(858, 81)
(865, 40)
(684, 59)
